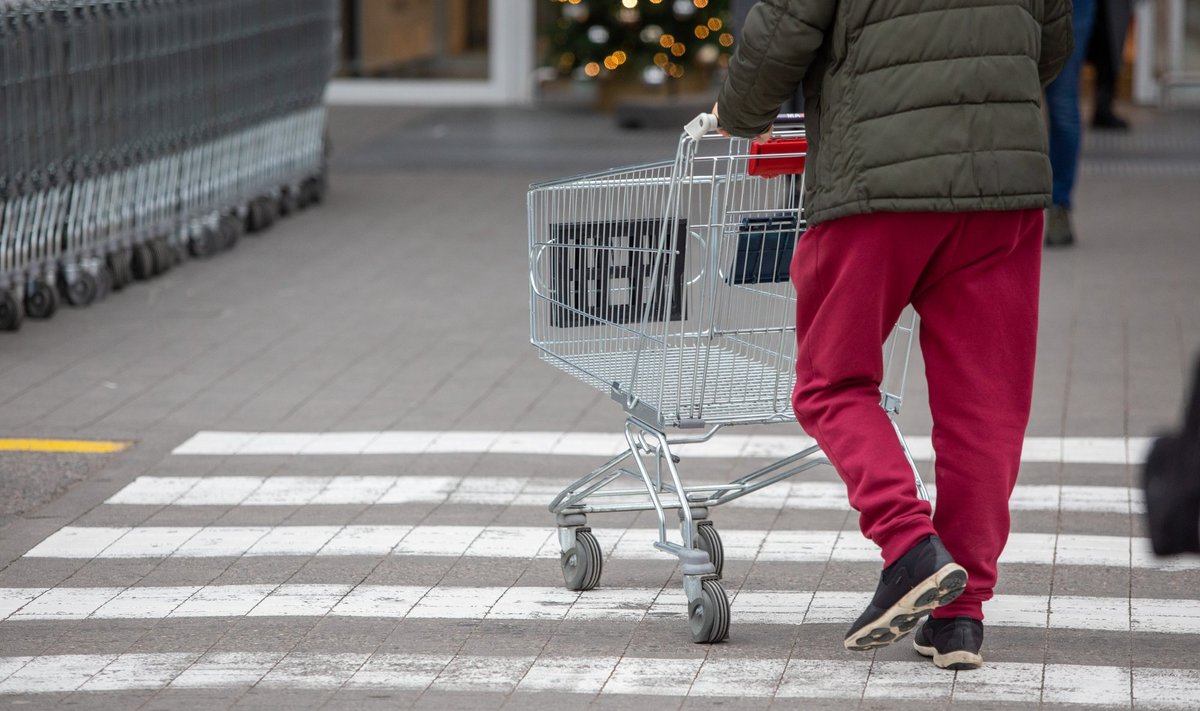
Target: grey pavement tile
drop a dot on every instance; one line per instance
(333, 634)
(112, 573)
(347, 570)
(100, 637)
(271, 699)
(252, 570)
(1166, 584)
(337, 515)
(730, 703)
(35, 701)
(415, 570)
(256, 516)
(186, 571)
(24, 639)
(1090, 647)
(636, 702)
(1020, 579)
(391, 514)
(429, 636)
(464, 700)
(1084, 580)
(264, 634)
(1176, 651)
(788, 576)
(38, 572)
(370, 700)
(590, 638)
(108, 700)
(547, 701)
(183, 634)
(504, 638)
(1097, 524)
(193, 699)
(183, 515)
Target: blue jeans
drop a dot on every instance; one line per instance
(1062, 104)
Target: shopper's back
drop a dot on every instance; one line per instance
(912, 105)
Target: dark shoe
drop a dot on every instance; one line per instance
(1059, 230)
(1106, 119)
(924, 578)
(953, 643)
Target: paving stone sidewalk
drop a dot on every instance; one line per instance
(371, 530)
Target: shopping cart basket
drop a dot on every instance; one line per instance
(667, 286)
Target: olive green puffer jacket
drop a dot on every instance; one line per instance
(912, 105)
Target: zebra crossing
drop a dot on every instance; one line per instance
(469, 561)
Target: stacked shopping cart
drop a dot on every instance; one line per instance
(135, 132)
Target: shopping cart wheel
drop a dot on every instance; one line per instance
(261, 214)
(142, 262)
(83, 289)
(709, 541)
(41, 300)
(162, 256)
(288, 202)
(116, 266)
(11, 314)
(708, 615)
(230, 230)
(583, 563)
(202, 242)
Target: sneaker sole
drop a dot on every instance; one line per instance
(941, 588)
(956, 661)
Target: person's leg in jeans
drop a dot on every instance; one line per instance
(979, 309)
(1066, 130)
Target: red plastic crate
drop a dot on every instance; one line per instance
(767, 167)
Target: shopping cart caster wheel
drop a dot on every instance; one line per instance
(116, 269)
(709, 541)
(11, 314)
(41, 300)
(582, 564)
(288, 202)
(162, 256)
(708, 615)
(142, 262)
(83, 289)
(261, 215)
(230, 230)
(104, 282)
(202, 243)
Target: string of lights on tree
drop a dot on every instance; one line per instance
(658, 41)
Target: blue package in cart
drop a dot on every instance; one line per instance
(764, 249)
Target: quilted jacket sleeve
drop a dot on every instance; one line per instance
(776, 47)
(1058, 39)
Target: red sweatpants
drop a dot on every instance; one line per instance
(973, 278)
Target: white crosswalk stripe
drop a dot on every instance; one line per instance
(530, 491)
(715, 677)
(774, 607)
(1059, 450)
(541, 542)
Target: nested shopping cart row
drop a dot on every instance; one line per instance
(135, 132)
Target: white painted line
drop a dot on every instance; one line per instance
(537, 492)
(1066, 450)
(524, 542)
(717, 676)
(767, 607)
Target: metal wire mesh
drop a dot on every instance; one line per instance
(133, 132)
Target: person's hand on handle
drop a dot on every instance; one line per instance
(763, 138)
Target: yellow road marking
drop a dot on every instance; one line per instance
(71, 446)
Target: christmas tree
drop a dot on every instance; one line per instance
(657, 41)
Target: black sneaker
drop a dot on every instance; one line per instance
(924, 578)
(953, 644)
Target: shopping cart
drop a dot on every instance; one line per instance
(667, 286)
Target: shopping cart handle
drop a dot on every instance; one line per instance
(698, 127)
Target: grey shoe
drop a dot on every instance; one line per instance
(1059, 230)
